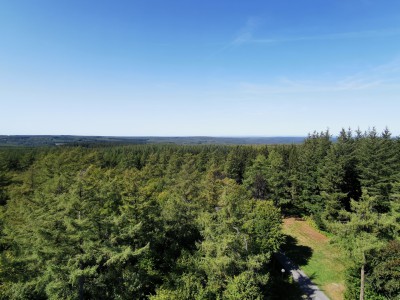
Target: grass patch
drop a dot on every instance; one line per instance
(324, 263)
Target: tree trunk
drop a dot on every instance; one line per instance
(81, 282)
(362, 282)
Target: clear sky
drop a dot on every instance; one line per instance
(205, 67)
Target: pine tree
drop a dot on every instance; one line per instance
(364, 232)
(277, 179)
(5, 181)
(338, 177)
(188, 180)
(235, 165)
(212, 187)
(312, 154)
(385, 274)
(256, 178)
(378, 164)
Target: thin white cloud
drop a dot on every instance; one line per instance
(245, 34)
(323, 37)
(382, 76)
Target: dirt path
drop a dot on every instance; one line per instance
(310, 289)
(312, 251)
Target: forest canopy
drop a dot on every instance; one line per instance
(193, 222)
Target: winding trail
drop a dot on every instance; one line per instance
(310, 289)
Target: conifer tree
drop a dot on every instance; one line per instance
(5, 181)
(311, 158)
(235, 165)
(256, 178)
(277, 178)
(385, 273)
(364, 232)
(338, 177)
(378, 164)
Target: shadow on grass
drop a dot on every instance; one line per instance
(298, 254)
(291, 257)
(282, 285)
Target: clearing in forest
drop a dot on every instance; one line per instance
(323, 262)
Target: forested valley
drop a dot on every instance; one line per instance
(194, 222)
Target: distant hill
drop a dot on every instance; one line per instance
(227, 140)
(59, 140)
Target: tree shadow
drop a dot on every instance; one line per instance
(298, 254)
(282, 285)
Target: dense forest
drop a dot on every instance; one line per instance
(194, 222)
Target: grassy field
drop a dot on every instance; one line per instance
(320, 260)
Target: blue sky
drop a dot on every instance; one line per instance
(220, 68)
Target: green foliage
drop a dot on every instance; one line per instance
(311, 159)
(339, 178)
(231, 257)
(117, 223)
(363, 234)
(190, 222)
(353, 286)
(266, 178)
(277, 177)
(242, 286)
(385, 270)
(74, 241)
(378, 165)
(237, 160)
(5, 181)
(256, 178)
